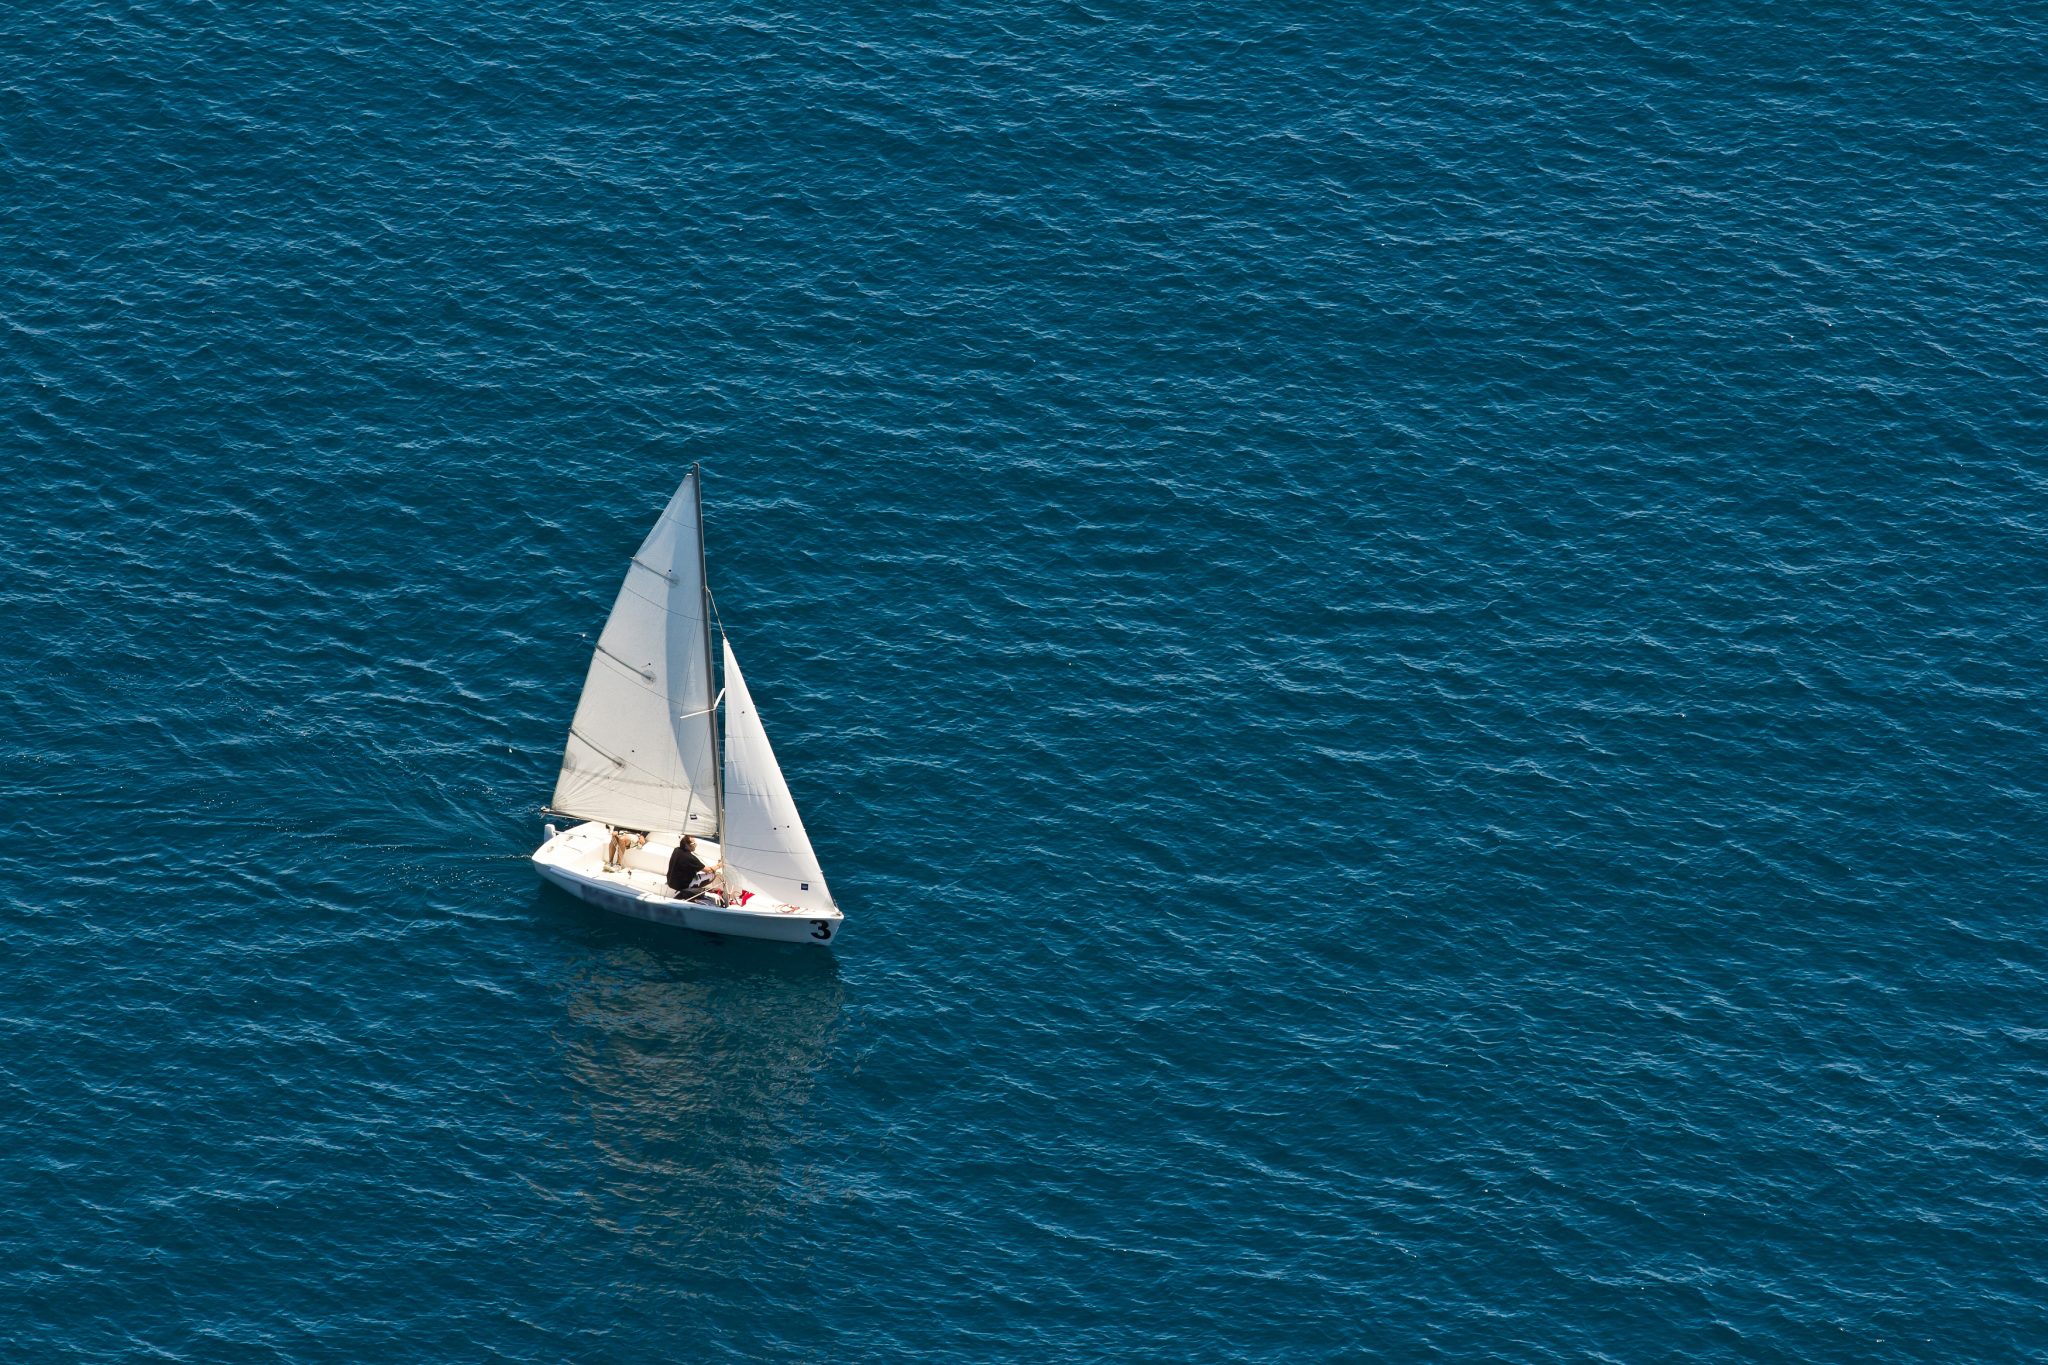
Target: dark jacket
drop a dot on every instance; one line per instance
(682, 868)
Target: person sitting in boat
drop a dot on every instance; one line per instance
(615, 851)
(687, 874)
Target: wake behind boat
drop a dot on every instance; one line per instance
(643, 767)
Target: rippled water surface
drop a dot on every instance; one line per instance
(1413, 637)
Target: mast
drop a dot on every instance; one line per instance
(710, 678)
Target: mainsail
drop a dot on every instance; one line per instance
(643, 749)
(766, 849)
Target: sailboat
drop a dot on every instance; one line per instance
(643, 760)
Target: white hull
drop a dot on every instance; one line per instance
(574, 861)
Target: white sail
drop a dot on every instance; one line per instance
(766, 849)
(643, 750)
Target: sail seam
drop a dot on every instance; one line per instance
(617, 660)
(658, 783)
(650, 691)
(660, 780)
(660, 606)
(607, 753)
(668, 574)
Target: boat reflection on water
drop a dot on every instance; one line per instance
(692, 1064)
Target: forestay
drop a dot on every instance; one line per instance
(642, 751)
(766, 849)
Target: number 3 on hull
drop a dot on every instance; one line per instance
(644, 761)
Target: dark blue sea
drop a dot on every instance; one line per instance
(1414, 638)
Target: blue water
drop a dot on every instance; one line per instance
(1414, 640)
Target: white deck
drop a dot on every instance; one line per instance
(574, 861)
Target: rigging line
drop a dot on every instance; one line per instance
(691, 715)
(710, 665)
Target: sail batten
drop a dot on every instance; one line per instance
(642, 750)
(765, 847)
